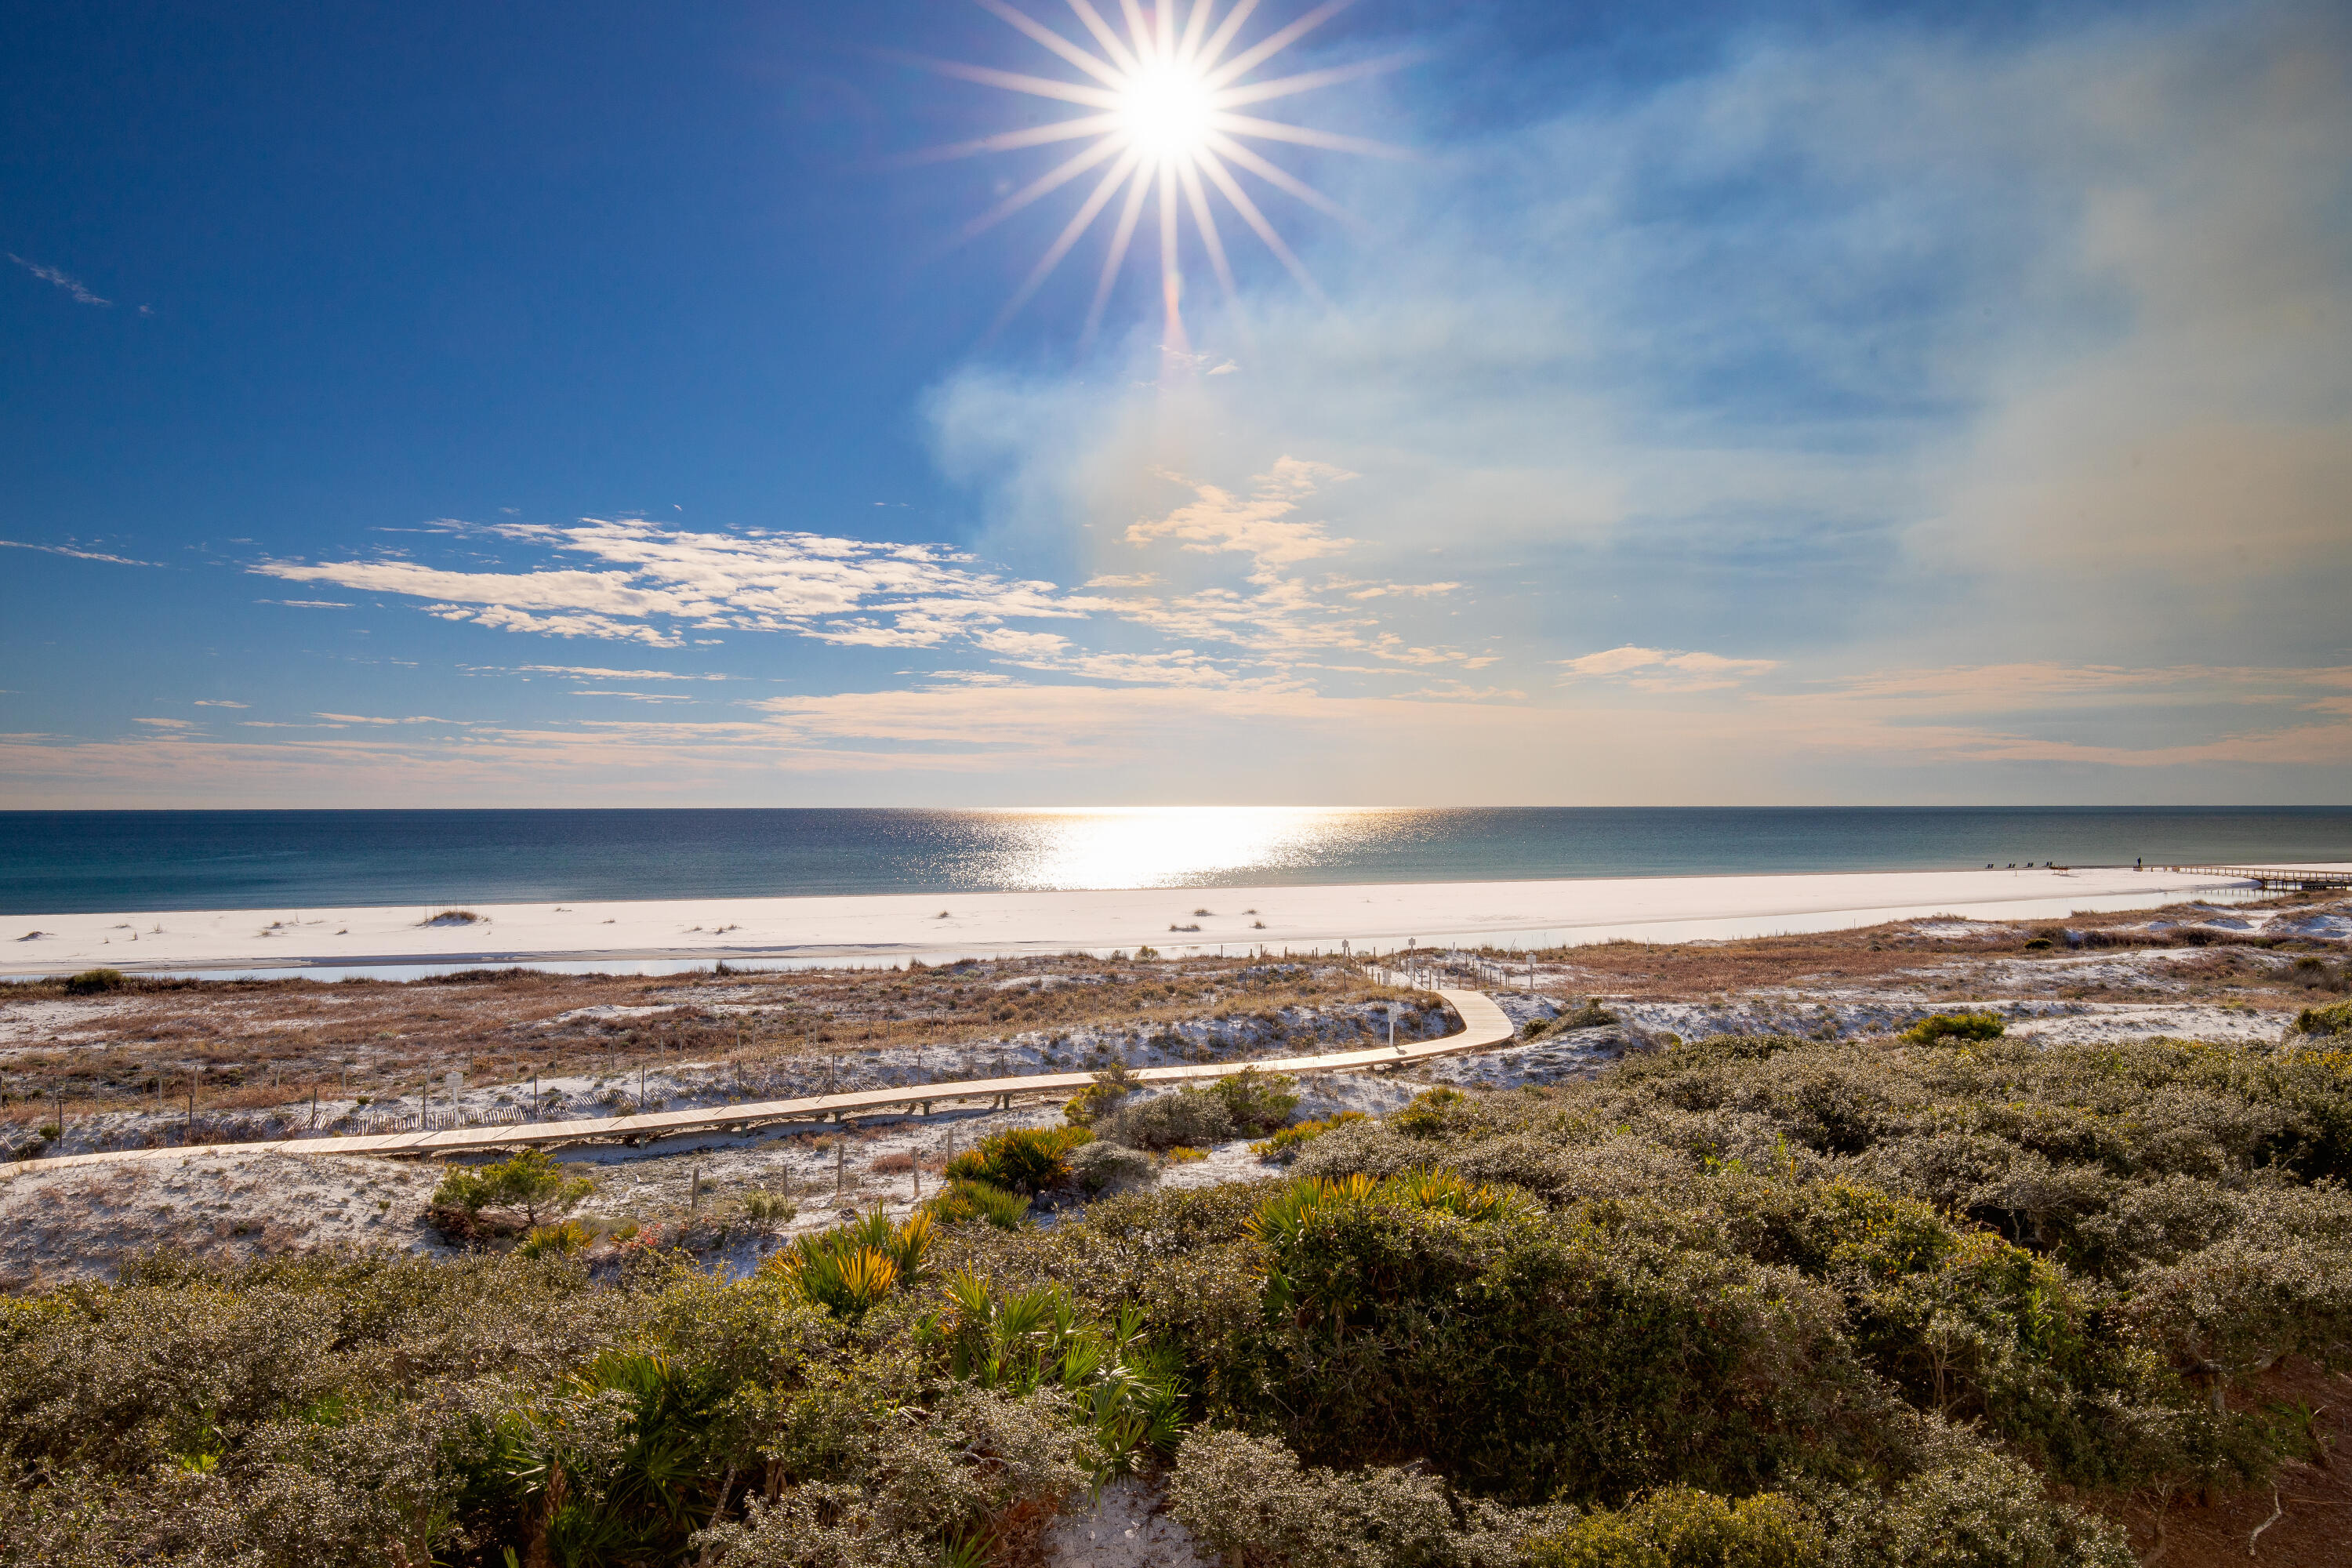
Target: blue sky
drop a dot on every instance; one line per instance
(590, 406)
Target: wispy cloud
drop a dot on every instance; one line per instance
(658, 583)
(220, 702)
(1661, 669)
(79, 554)
(1261, 525)
(308, 603)
(166, 723)
(593, 672)
(74, 287)
(2111, 716)
(362, 719)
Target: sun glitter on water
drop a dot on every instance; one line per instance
(1165, 131)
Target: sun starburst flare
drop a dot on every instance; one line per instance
(1164, 99)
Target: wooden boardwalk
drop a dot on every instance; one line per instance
(1484, 1026)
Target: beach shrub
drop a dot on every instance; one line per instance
(853, 1268)
(768, 1208)
(557, 1240)
(1127, 1389)
(1284, 1145)
(1969, 1507)
(1249, 1499)
(1680, 1527)
(1025, 1160)
(1257, 1101)
(529, 1182)
(92, 982)
(1427, 1115)
(1521, 1351)
(980, 1475)
(1112, 1085)
(968, 1200)
(1590, 1014)
(1103, 1166)
(2313, 973)
(2335, 1019)
(1885, 1305)
(1955, 1027)
(1242, 1103)
(1188, 1116)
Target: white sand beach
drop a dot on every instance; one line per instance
(892, 928)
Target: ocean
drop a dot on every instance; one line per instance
(90, 862)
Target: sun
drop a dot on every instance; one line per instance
(1168, 112)
(1162, 126)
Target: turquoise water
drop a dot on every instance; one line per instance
(78, 862)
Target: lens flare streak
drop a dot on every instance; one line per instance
(1162, 107)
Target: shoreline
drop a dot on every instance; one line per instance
(894, 927)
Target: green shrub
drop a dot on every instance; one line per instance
(1967, 1325)
(90, 982)
(531, 1183)
(1112, 1085)
(853, 1268)
(1027, 1160)
(1256, 1101)
(1188, 1117)
(1284, 1145)
(1888, 1302)
(1018, 1342)
(1246, 1103)
(966, 1200)
(1955, 1027)
(1678, 1526)
(1973, 1509)
(1522, 1351)
(557, 1240)
(1249, 1499)
(2335, 1019)
(768, 1208)
(974, 1481)
(1102, 1167)
(1425, 1116)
